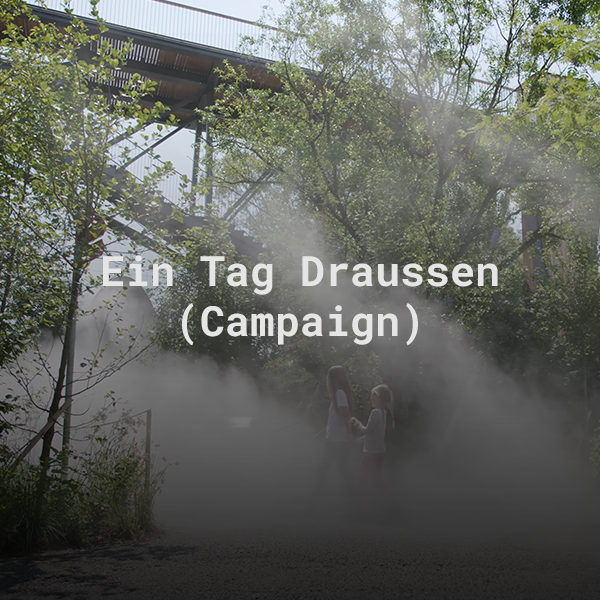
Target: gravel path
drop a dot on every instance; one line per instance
(280, 565)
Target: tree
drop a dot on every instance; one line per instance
(420, 132)
(394, 141)
(57, 120)
(568, 304)
(191, 286)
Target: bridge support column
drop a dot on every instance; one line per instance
(208, 198)
(196, 165)
(207, 100)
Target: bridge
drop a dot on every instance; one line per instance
(180, 48)
(176, 46)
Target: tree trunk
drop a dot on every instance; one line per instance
(66, 351)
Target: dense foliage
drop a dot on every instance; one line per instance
(429, 132)
(57, 194)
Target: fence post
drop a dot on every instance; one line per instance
(148, 447)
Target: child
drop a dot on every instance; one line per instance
(374, 436)
(338, 430)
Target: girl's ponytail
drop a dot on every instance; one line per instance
(338, 380)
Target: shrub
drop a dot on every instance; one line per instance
(108, 495)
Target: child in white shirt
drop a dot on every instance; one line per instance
(374, 436)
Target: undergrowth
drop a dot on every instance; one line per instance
(106, 495)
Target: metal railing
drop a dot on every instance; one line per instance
(172, 185)
(175, 20)
(190, 24)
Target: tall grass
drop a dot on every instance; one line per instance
(107, 495)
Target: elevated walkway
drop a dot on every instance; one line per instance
(178, 47)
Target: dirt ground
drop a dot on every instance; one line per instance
(356, 563)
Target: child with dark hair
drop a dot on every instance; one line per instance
(338, 430)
